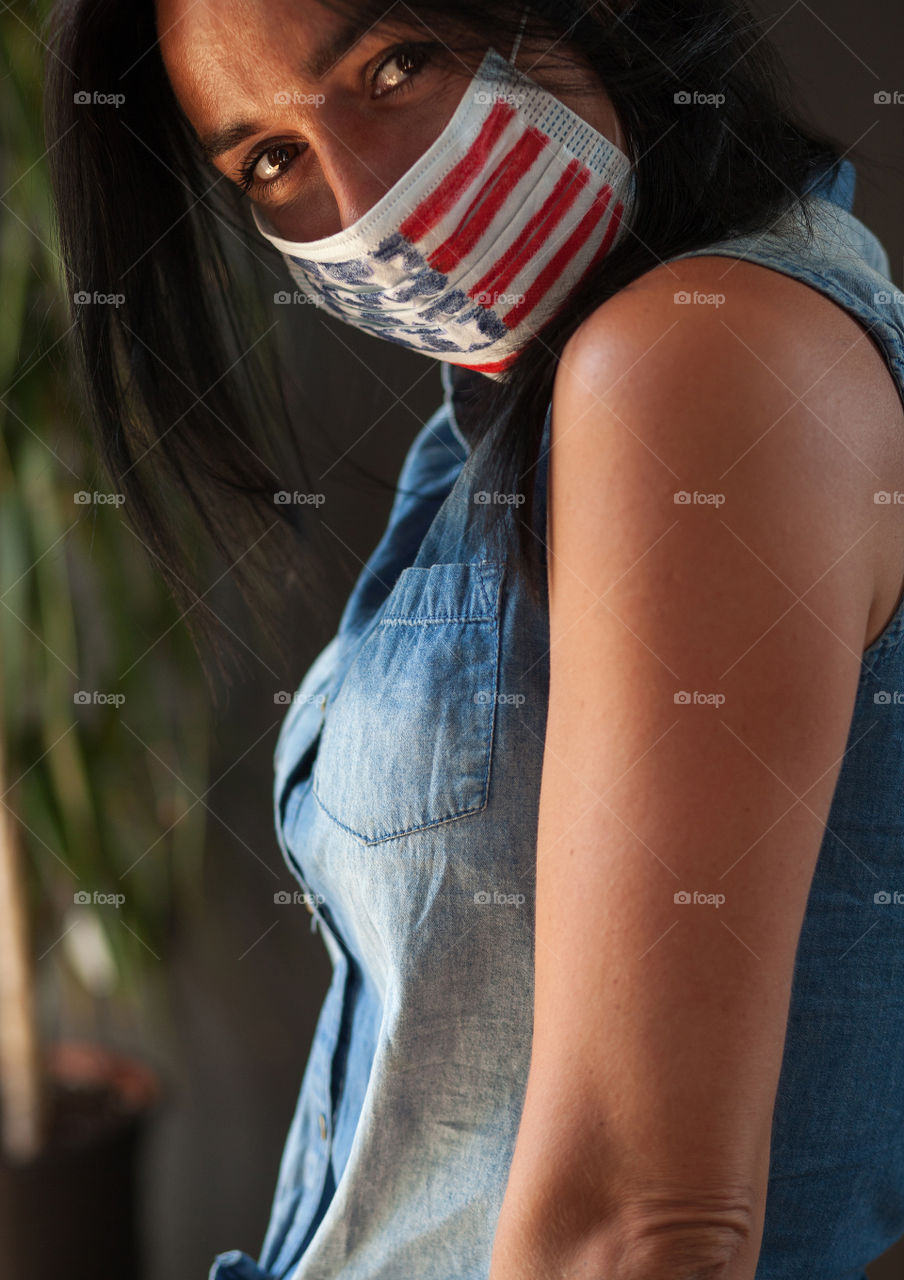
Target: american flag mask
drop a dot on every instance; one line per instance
(481, 241)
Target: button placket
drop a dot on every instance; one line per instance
(318, 1102)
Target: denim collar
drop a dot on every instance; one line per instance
(837, 184)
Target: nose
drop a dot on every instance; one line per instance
(353, 174)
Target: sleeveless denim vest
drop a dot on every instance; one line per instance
(407, 777)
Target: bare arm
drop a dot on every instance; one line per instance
(659, 1025)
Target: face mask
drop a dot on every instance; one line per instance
(481, 241)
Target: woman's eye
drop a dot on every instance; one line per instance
(269, 165)
(400, 67)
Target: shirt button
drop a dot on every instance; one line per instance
(322, 1119)
(323, 702)
(307, 903)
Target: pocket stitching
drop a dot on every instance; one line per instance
(493, 619)
(482, 567)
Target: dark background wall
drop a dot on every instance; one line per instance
(232, 1021)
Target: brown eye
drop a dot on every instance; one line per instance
(400, 67)
(270, 165)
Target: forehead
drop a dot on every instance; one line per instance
(212, 47)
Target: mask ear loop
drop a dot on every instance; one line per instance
(514, 52)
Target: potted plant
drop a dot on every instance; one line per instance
(103, 747)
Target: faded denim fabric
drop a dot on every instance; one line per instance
(407, 775)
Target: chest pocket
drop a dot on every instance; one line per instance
(408, 737)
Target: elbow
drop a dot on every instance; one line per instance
(688, 1253)
(711, 1235)
(715, 1240)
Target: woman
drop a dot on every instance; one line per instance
(594, 795)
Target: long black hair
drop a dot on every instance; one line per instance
(181, 375)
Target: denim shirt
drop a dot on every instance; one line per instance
(406, 793)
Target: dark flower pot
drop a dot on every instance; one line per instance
(72, 1211)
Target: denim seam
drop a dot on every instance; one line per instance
(889, 639)
(484, 569)
(459, 813)
(434, 618)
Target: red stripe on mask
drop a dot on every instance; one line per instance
(484, 207)
(562, 257)
(563, 195)
(435, 206)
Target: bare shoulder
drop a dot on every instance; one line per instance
(714, 305)
(777, 393)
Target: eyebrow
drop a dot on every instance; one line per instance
(217, 141)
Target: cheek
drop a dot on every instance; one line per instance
(312, 214)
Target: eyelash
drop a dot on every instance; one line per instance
(245, 173)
